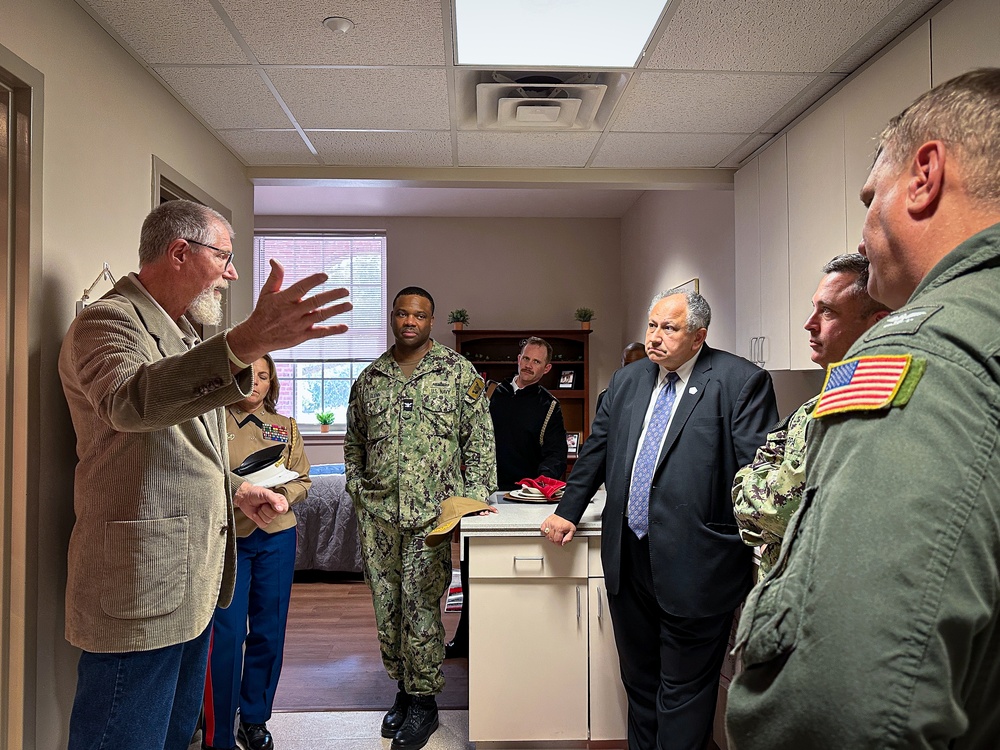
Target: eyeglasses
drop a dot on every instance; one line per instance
(222, 254)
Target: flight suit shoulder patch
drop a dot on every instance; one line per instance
(865, 383)
(906, 322)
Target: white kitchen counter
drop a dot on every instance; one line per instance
(524, 519)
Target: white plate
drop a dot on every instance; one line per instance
(533, 497)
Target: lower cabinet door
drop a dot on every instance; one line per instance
(528, 659)
(608, 705)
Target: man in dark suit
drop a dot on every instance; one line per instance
(667, 440)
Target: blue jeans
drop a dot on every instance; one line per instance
(246, 677)
(139, 700)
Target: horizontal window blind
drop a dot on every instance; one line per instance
(355, 261)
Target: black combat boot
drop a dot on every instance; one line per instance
(421, 722)
(393, 720)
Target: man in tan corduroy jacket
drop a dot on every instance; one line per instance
(153, 548)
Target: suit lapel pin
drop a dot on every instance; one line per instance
(692, 390)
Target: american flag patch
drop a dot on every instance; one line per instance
(862, 383)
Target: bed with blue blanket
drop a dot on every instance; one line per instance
(326, 525)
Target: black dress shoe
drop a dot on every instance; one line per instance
(456, 650)
(255, 737)
(394, 719)
(421, 722)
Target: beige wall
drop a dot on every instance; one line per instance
(508, 273)
(104, 119)
(669, 237)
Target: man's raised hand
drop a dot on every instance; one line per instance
(286, 317)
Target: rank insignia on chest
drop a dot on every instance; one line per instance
(407, 406)
(867, 383)
(275, 433)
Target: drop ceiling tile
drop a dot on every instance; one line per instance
(905, 15)
(268, 147)
(665, 150)
(382, 149)
(226, 97)
(525, 149)
(408, 33)
(704, 102)
(365, 98)
(765, 35)
(741, 152)
(170, 32)
(801, 102)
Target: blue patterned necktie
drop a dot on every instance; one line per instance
(645, 464)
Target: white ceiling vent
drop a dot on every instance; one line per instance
(538, 102)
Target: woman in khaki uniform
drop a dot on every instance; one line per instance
(265, 564)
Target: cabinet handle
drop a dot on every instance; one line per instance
(753, 340)
(761, 346)
(600, 606)
(540, 560)
(578, 609)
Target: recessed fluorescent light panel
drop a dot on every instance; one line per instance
(554, 33)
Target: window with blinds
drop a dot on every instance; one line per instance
(316, 376)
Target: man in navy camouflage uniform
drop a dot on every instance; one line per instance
(416, 416)
(768, 491)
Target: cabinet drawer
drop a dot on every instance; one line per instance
(526, 558)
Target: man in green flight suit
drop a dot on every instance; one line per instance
(880, 625)
(768, 491)
(417, 414)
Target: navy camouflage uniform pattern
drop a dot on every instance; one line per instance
(768, 491)
(406, 443)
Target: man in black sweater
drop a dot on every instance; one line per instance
(528, 421)
(531, 442)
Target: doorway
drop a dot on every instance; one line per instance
(20, 102)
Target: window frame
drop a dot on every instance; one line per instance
(376, 318)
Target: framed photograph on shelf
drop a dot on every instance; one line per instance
(573, 442)
(567, 379)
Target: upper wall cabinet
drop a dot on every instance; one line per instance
(966, 34)
(762, 258)
(746, 186)
(872, 99)
(774, 257)
(805, 189)
(817, 212)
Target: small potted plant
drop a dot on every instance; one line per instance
(325, 419)
(458, 318)
(584, 315)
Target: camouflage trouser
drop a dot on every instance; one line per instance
(407, 580)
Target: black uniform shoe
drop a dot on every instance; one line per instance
(255, 737)
(456, 650)
(421, 722)
(393, 720)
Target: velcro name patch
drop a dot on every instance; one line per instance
(866, 383)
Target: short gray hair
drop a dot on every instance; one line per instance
(699, 314)
(179, 219)
(858, 265)
(964, 112)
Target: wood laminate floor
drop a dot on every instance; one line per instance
(332, 660)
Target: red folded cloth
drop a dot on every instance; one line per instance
(546, 485)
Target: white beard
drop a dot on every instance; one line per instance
(206, 308)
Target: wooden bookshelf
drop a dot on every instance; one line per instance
(494, 355)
